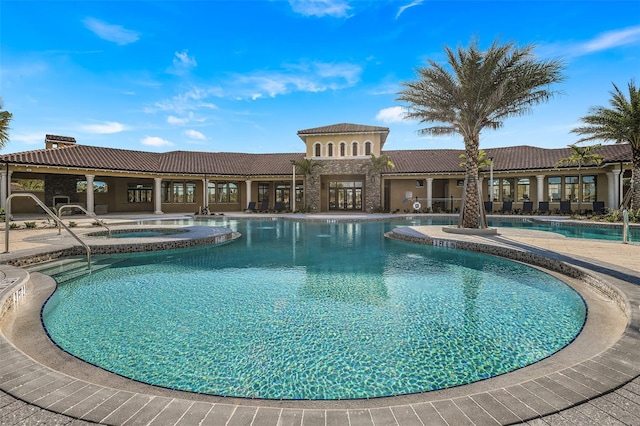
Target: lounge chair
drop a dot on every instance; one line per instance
(598, 207)
(507, 206)
(527, 207)
(251, 207)
(278, 207)
(488, 206)
(565, 207)
(543, 206)
(264, 207)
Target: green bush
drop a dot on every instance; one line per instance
(72, 224)
(30, 225)
(14, 226)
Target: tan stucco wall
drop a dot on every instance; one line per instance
(324, 140)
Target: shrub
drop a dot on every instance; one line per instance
(14, 226)
(72, 224)
(30, 225)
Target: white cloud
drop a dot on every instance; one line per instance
(194, 134)
(31, 138)
(186, 102)
(612, 39)
(391, 115)
(403, 8)
(314, 77)
(155, 141)
(182, 63)
(176, 120)
(110, 32)
(108, 127)
(604, 41)
(320, 8)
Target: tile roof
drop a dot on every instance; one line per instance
(279, 164)
(343, 128)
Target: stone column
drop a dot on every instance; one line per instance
(90, 194)
(429, 193)
(157, 195)
(540, 188)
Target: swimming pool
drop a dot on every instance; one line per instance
(298, 310)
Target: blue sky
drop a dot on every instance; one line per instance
(245, 76)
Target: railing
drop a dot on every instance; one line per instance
(92, 215)
(50, 213)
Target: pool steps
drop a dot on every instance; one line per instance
(71, 268)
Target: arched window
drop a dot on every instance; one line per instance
(317, 150)
(354, 149)
(330, 150)
(343, 149)
(367, 148)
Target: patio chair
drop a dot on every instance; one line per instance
(278, 207)
(251, 208)
(264, 207)
(527, 206)
(565, 207)
(488, 206)
(598, 207)
(543, 206)
(507, 206)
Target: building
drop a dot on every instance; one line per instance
(431, 180)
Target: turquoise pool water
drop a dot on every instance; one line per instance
(313, 311)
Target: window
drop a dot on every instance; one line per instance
(283, 192)
(589, 192)
(354, 149)
(330, 150)
(571, 188)
(317, 148)
(139, 193)
(81, 186)
(554, 188)
(263, 192)
(343, 149)
(299, 194)
(419, 183)
(211, 192)
(227, 192)
(507, 189)
(367, 148)
(524, 189)
(178, 192)
(190, 192)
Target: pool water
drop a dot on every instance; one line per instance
(313, 311)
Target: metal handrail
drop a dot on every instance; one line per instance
(92, 215)
(50, 213)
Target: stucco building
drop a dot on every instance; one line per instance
(117, 180)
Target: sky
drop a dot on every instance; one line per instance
(246, 76)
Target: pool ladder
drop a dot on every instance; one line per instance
(50, 213)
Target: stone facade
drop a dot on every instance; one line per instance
(65, 185)
(355, 169)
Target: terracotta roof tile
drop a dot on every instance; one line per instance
(343, 128)
(242, 164)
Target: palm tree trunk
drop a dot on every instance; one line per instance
(635, 179)
(471, 208)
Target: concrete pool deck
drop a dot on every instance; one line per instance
(593, 381)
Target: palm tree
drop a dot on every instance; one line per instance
(5, 118)
(305, 167)
(581, 156)
(621, 124)
(481, 91)
(378, 164)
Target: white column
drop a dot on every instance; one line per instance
(248, 185)
(429, 193)
(611, 190)
(540, 189)
(617, 198)
(205, 193)
(157, 195)
(90, 194)
(3, 190)
(9, 183)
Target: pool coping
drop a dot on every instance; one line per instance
(550, 393)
